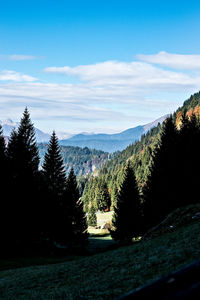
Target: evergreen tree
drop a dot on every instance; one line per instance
(127, 213)
(55, 178)
(92, 218)
(22, 148)
(27, 144)
(102, 197)
(53, 167)
(160, 191)
(114, 195)
(188, 163)
(5, 209)
(85, 197)
(23, 161)
(80, 225)
(76, 216)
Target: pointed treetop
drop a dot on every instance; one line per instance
(26, 129)
(53, 166)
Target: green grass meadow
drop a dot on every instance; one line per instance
(106, 275)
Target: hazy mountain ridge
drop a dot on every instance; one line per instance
(8, 126)
(101, 141)
(111, 142)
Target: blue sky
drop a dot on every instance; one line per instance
(97, 66)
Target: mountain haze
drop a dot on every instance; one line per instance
(111, 142)
(8, 126)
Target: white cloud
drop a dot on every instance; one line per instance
(22, 57)
(9, 75)
(18, 57)
(137, 75)
(177, 61)
(110, 94)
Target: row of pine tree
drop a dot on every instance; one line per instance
(172, 181)
(40, 209)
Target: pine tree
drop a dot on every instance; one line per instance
(127, 213)
(22, 148)
(53, 167)
(102, 197)
(85, 197)
(80, 226)
(160, 192)
(27, 144)
(5, 210)
(55, 178)
(188, 163)
(114, 195)
(92, 218)
(24, 161)
(76, 214)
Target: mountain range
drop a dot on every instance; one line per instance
(102, 141)
(111, 142)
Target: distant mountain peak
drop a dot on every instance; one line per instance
(8, 122)
(148, 126)
(8, 125)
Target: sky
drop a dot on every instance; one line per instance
(97, 66)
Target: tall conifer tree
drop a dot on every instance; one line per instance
(102, 197)
(77, 216)
(160, 192)
(54, 174)
(24, 161)
(127, 212)
(5, 209)
(188, 163)
(27, 144)
(92, 218)
(53, 167)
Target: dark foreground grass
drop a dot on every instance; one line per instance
(105, 275)
(97, 244)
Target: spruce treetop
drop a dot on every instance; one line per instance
(26, 129)
(22, 147)
(53, 166)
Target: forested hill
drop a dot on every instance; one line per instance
(191, 105)
(139, 154)
(83, 160)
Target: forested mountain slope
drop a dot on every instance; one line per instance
(83, 160)
(139, 154)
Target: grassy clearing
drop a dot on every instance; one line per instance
(106, 275)
(102, 219)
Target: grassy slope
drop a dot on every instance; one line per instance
(106, 275)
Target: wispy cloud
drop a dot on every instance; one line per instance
(9, 75)
(137, 75)
(177, 61)
(18, 57)
(109, 94)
